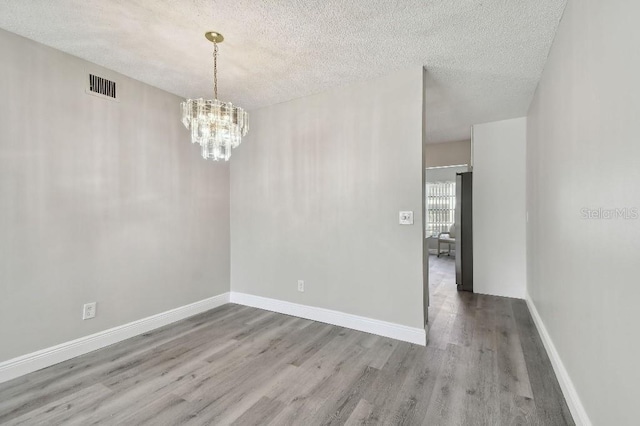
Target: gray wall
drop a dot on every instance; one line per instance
(499, 202)
(444, 174)
(99, 201)
(447, 153)
(315, 194)
(583, 152)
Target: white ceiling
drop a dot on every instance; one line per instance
(484, 57)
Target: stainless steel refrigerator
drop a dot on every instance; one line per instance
(464, 232)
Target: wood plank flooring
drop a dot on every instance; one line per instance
(484, 365)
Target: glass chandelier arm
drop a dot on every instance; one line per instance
(215, 70)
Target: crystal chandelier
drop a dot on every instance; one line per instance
(217, 126)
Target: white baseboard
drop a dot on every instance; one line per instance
(368, 325)
(34, 361)
(578, 412)
(46, 357)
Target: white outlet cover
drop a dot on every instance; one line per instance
(301, 285)
(89, 311)
(406, 218)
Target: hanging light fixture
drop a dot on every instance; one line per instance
(217, 126)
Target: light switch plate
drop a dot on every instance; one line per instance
(406, 218)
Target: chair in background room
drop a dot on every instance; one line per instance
(448, 238)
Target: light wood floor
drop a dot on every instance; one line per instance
(484, 365)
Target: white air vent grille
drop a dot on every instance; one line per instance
(101, 87)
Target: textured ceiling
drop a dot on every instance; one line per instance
(483, 57)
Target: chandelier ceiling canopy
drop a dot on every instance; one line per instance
(216, 126)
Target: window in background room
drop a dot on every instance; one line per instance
(441, 207)
(440, 198)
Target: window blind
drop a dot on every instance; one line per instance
(441, 207)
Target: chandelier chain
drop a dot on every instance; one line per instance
(215, 70)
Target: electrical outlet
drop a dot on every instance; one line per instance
(89, 310)
(300, 285)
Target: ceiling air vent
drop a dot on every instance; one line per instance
(101, 87)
